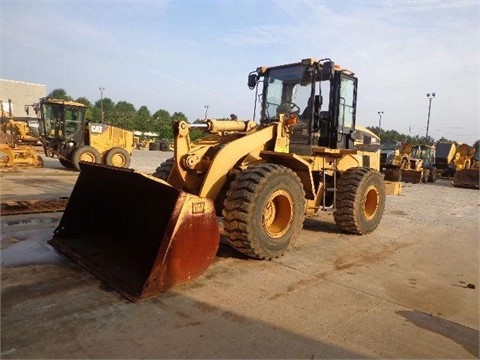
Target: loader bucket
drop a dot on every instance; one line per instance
(468, 178)
(411, 176)
(137, 233)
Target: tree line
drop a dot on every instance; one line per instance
(393, 135)
(124, 114)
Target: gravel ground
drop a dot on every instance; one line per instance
(410, 289)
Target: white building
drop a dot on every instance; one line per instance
(20, 93)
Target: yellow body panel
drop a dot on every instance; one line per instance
(105, 137)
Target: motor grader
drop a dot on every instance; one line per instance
(143, 234)
(15, 136)
(67, 134)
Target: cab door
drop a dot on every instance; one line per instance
(346, 111)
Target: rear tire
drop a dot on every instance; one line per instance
(118, 157)
(361, 200)
(86, 154)
(264, 210)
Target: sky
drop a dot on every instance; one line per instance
(184, 55)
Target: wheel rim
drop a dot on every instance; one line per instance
(87, 157)
(118, 160)
(372, 200)
(277, 214)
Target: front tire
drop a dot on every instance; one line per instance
(360, 202)
(264, 210)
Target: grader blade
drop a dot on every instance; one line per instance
(137, 233)
(19, 156)
(467, 178)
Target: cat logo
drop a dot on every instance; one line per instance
(97, 129)
(198, 208)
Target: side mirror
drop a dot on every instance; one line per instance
(252, 80)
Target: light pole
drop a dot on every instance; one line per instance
(430, 98)
(380, 113)
(101, 88)
(206, 111)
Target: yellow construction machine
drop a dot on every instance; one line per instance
(143, 234)
(421, 165)
(68, 135)
(444, 154)
(15, 135)
(395, 159)
(467, 170)
(394, 155)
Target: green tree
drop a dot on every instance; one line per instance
(162, 124)
(143, 120)
(59, 94)
(84, 101)
(88, 104)
(179, 116)
(393, 135)
(124, 114)
(108, 106)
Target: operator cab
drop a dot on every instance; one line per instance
(62, 124)
(319, 94)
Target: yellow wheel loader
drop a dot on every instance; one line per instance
(468, 166)
(143, 234)
(68, 135)
(397, 157)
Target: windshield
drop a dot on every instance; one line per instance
(282, 87)
(390, 145)
(61, 121)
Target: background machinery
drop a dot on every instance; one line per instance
(467, 173)
(394, 155)
(15, 137)
(394, 158)
(304, 154)
(422, 165)
(444, 154)
(67, 134)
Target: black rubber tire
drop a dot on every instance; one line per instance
(87, 154)
(361, 197)
(425, 175)
(432, 177)
(118, 157)
(66, 163)
(39, 161)
(164, 170)
(264, 210)
(154, 146)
